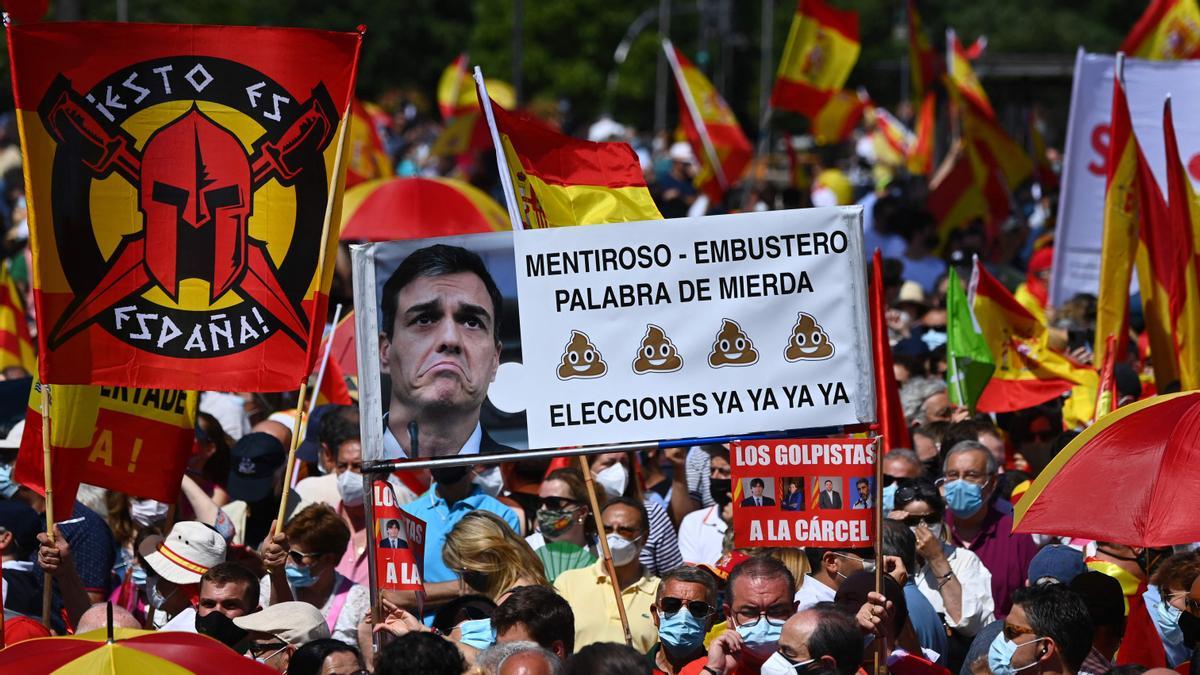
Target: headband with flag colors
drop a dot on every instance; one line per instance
(184, 188)
(922, 60)
(16, 343)
(821, 50)
(1168, 30)
(962, 74)
(710, 127)
(136, 441)
(1183, 291)
(557, 180)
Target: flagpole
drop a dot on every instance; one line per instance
(604, 550)
(298, 424)
(880, 660)
(337, 313)
(694, 111)
(485, 102)
(47, 580)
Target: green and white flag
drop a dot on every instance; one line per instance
(969, 362)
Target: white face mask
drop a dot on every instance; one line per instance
(490, 481)
(146, 512)
(614, 479)
(350, 488)
(778, 665)
(623, 551)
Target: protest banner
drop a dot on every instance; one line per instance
(399, 540)
(681, 330)
(804, 492)
(1085, 161)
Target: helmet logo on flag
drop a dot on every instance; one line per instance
(196, 139)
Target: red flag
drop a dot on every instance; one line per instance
(890, 414)
(1183, 288)
(333, 384)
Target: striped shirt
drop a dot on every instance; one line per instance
(661, 552)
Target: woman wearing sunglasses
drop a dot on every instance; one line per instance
(952, 578)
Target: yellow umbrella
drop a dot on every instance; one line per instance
(128, 651)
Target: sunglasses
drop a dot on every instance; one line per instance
(928, 519)
(1012, 632)
(557, 503)
(259, 648)
(697, 608)
(299, 556)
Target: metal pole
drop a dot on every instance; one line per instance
(373, 585)
(518, 48)
(661, 84)
(765, 71)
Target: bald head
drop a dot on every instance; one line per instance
(276, 429)
(527, 663)
(96, 616)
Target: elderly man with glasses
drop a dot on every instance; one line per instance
(968, 485)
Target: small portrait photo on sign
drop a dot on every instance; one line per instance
(757, 491)
(830, 496)
(863, 493)
(391, 533)
(791, 496)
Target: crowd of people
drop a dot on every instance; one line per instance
(514, 580)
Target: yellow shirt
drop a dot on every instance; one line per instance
(588, 589)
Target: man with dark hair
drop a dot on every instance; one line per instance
(1105, 602)
(420, 653)
(756, 498)
(1048, 629)
(831, 566)
(830, 498)
(758, 601)
(536, 614)
(393, 539)
(823, 636)
(900, 542)
(440, 344)
(684, 612)
(864, 500)
(228, 588)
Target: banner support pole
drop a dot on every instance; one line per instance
(47, 580)
(607, 554)
(880, 658)
(290, 466)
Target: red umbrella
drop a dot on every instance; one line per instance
(415, 208)
(1132, 478)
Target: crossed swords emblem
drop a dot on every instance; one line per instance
(242, 263)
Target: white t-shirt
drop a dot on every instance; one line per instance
(812, 592)
(702, 536)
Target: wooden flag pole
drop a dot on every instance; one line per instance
(608, 563)
(47, 580)
(880, 653)
(289, 467)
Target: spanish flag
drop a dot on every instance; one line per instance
(367, 158)
(920, 157)
(710, 127)
(1043, 173)
(16, 342)
(558, 180)
(955, 198)
(838, 117)
(891, 140)
(1027, 371)
(1183, 290)
(73, 410)
(996, 149)
(452, 85)
(922, 60)
(1168, 30)
(962, 75)
(821, 50)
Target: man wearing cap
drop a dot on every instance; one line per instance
(19, 527)
(176, 565)
(256, 481)
(279, 630)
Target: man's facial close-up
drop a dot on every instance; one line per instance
(443, 352)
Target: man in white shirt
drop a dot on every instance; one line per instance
(830, 567)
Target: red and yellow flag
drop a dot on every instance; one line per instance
(453, 87)
(179, 180)
(16, 343)
(1043, 173)
(962, 75)
(559, 180)
(838, 117)
(710, 127)
(821, 50)
(920, 158)
(368, 160)
(922, 60)
(1168, 30)
(1027, 371)
(955, 198)
(891, 140)
(136, 441)
(1183, 290)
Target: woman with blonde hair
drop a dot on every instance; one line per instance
(490, 557)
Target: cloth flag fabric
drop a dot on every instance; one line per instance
(1027, 371)
(821, 49)
(892, 425)
(455, 80)
(963, 190)
(962, 74)
(891, 140)
(838, 117)
(1043, 173)
(136, 441)
(1106, 399)
(969, 362)
(560, 181)
(368, 160)
(1167, 30)
(16, 343)
(710, 128)
(178, 181)
(333, 382)
(1183, 291)
(922, 60)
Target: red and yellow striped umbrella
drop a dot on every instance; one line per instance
(415, 208)
(1131, 478)
(132, 651)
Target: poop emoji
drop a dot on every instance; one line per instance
(732, 347)
(809, 341)
(581, 359)
(657, 353)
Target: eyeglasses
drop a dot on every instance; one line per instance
(976, 477)
(698, 608)
(558, 503)
(626, 531)
(867, 565)
(928, 519)
(259, 648)
(775, 616)
(1012, 632)
(299, 556)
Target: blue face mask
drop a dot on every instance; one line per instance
(7, 487)
(478, 633)
(1000, 655)
(964, 499)
(139, 576)
(760, 638)
(299, 577)
(1166, 617)
(889, 498)
(680, 632)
